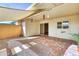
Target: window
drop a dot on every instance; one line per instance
(64, 25)
(59, 25)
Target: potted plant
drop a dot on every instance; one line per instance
(76, 37)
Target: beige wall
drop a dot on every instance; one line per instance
(9, 31)
(73, 27)
(33, 28)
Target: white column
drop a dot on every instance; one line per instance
(24, 28)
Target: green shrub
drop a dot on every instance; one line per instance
(76, 37)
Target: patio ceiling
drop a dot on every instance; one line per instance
(45, 5)
(58, 10)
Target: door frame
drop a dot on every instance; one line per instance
(43, 29)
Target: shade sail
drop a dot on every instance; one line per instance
(8, 14)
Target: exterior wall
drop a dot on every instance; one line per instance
(33, 28)
(9, 31)
(73, 27)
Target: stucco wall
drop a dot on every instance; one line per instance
(33, 28)
(73, 27)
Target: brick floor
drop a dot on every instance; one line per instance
(57, 45)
